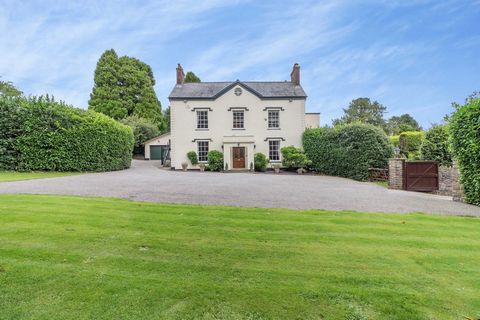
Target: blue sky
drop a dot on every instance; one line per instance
(412, 56)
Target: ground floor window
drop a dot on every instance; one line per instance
(274, 150)
(202, 151)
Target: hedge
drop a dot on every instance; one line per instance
(465, 142)
(347, 151)
(41, 134)
(436, 145)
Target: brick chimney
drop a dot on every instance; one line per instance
(180, 74)
(295, 75)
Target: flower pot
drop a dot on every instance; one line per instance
(184, 166)
(202, 167)
(277, 169)
(300, 171)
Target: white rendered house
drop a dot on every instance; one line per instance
(238, 118)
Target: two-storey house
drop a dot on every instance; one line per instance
(238, 118)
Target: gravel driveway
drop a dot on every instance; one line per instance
(145, 181)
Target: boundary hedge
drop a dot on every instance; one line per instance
(41, 134)
(347, 151)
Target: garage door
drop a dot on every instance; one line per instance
(156, 152)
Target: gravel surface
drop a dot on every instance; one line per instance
(146, 181)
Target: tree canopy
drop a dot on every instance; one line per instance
(9, 90)
(362, 110)
(191, 77)
(398, 124)
(123, 86)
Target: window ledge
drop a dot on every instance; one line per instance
(238, 128)
(274, 128)
(275, 161)
(201, 129)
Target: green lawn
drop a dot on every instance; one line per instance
(90, 258)
(14, 175)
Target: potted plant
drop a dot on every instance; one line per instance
(184, 166)
(251, 167)
(276, 167)
(202, 167)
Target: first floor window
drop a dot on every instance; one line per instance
(202, 151)
(273, 119)
(202, 119)
(238, 119)
(274, 150)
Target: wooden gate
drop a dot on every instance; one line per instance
(420, 176)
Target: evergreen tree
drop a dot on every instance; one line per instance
(166, 117)
(123, 86)
(191, 77)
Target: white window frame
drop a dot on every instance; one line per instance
(238, 119)
(271, 154)
(202, 119)
(273, 123)
(203, 146)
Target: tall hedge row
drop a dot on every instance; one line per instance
(347, 151)
(40, 134)
(465, 142)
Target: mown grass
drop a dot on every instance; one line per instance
(6, 176)
(92, 258)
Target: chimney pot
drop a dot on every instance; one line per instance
(295, 74)
(180, 74)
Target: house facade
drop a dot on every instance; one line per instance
(238, 118)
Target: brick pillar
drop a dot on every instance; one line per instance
(457, 189)
(395, 173)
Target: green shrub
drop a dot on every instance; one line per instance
(192, 156)
(436, 145)
(347, 151)
(41, 134)
(261, 162)
(215, 160)
(465, 142)
(410, 143)
(294, 157)
(143, 129)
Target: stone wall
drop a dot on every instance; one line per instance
(449, 183)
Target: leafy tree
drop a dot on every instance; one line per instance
(191, 77)
(436, 145)
(123, 86)
(7, 89)
(398, 124)
(143, 129)
(364, 111)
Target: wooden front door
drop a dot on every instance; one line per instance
(238, 157)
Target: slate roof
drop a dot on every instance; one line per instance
(212, 90)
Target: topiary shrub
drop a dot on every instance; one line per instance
(465, 142)
(143, 130)
(294, 157)
(192, 156)
(410, 143)
(347, 151)
(436, 145)
(261, 162)
(41, 134)
(215, 160)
